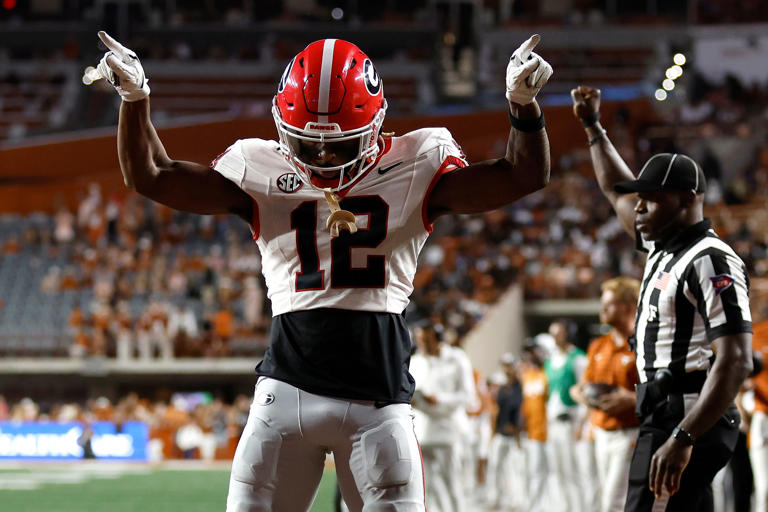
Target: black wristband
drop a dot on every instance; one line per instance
(589, 121)
(593, 140)
(526, 125)
(683, 436)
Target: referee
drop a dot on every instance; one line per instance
(693, 330)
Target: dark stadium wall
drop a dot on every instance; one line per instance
(41, 177)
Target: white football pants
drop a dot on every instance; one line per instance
(476, 449)
(758, 456)
(536, 471)
(587, 475)
(506, 482)
(563, 465)
(613, 452)
(443, 476)
(280, 457)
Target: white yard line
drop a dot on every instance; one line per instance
(32, 477)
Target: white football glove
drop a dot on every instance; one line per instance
(527, 72)
(121, 67)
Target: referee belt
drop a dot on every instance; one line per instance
(670, 383)
(652, 394)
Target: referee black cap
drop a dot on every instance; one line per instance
(666, 171)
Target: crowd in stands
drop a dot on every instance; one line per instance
(562, 242)
(167, 284)
(396, 33)
(595, 12)
(239, 12)
(144, 281)
(181, 425)
(400, 14)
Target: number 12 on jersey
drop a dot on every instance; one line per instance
(343, 275)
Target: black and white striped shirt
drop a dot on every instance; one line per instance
(694, 290)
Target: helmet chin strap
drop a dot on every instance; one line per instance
(339, 219)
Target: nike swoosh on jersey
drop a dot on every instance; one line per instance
(384, 170)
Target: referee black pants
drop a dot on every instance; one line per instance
(710, 453)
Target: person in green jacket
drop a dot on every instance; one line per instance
(564, 367)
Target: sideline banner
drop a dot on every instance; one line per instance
(738, 55)
(65, 441)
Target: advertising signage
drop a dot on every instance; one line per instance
(66, 441)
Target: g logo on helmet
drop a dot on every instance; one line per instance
(372, 79)
(286, 74)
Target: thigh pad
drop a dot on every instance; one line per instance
(388, 454)
(255, 461)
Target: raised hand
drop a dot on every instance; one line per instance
(527, 72)
(121, 67)
(586, 102)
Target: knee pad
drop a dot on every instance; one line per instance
(388, 454)
(255, 461)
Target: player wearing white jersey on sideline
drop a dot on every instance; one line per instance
(444, 389)
(339, 211)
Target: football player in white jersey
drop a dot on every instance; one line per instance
(339, 211)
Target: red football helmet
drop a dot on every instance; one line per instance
(330, 100)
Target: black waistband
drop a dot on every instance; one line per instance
(690, 382)
(663, 385)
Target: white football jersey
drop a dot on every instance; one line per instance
(370, 270)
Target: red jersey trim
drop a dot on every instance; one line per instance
(451, 163)
(216, 160)
(256, 223)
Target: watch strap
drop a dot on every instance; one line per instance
(683, 436)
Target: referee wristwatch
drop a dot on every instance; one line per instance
(683, 436)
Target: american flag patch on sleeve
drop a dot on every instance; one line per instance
(661, 281)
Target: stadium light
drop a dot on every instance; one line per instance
(660, 94)
(337, 13)
(668, 84)
(671, 73)
(679, 59)
(674, 72)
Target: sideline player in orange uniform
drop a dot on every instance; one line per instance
(534, 412)
(608, 388)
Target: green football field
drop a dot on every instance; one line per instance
(106, 488)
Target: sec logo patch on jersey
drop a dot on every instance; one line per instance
(289, 183)
(721, 283)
